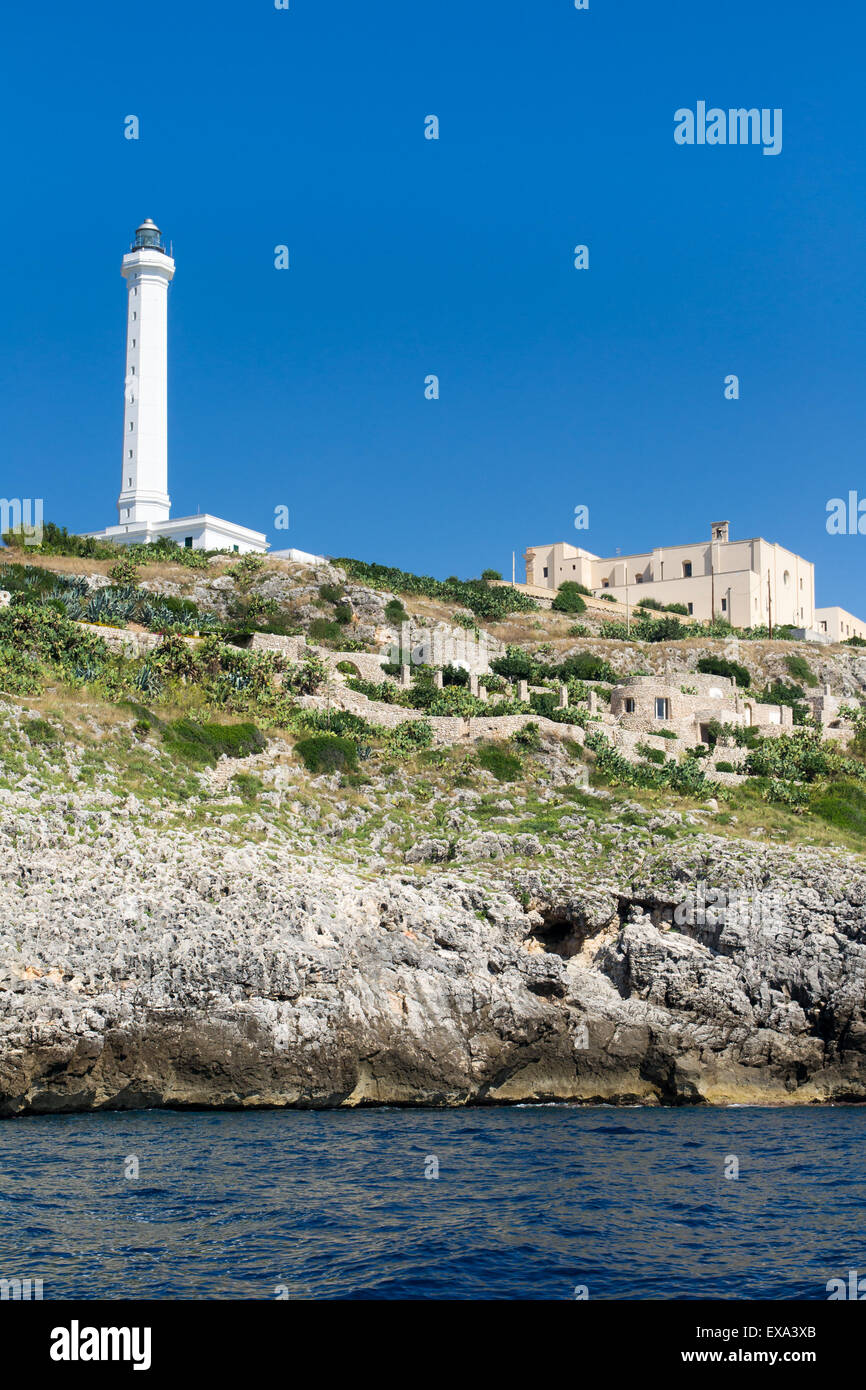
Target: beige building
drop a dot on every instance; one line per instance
(649, 704)
(748, 582)
(837, 625)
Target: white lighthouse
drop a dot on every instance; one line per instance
(144, 506)
(147, 269)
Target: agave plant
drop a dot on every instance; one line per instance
(105, 608)
(147, 681)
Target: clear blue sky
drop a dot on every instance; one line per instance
(409, 257)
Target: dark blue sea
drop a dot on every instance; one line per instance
(529, 1202)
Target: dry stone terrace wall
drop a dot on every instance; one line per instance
(447, 729)
(128, 643)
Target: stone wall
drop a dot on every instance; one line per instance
(447, 729)
(294, 648)
(128, 643)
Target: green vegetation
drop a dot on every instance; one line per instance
(484, 600)
(505, 767)
(326, 632)
(718, 666)
(327, 753)
(652, 755)
(843, 805)
(520, 665)
(612, 768)
(124, 571)
(206, 743)
(646, 630)
(799, 668)
(331, 593)
(568, 598)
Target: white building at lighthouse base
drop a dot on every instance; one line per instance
(202, 532)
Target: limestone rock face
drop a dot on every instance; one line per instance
(143, 966)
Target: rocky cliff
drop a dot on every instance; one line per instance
(144, 961)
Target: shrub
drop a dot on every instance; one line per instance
(247, 569)
(504, 766)
(725, 766)
(652, 603)
(652, 755)
(205, 743)
(395, 613)
(568, 599)
(543, 703)
(608, 598)
(42, 732)
(343, 614)
(247, 785)
(586, 667)
(324, 630)
(327, 753)
(784, 693)
(719, 666)
(465, 620)
(677, 608)
(331, 593)
(410, 736)
(487, 575)
(56, 540)
(348, 668)
(529, 737)
(799, 668)
(125, 571)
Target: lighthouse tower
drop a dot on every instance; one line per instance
(147, 269)
(144, 506)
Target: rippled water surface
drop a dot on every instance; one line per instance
(529, 1203)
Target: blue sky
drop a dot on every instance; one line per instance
(559, 387)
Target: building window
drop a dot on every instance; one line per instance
(134, 314)
(605, 583)
(691, 608)
(786, 577)
(823, 627)
(234, 547)
(132, 425)
(129, 482)
(130, 453)
(724, 605)
(629, 705)
(545, 571)
(187, 540)
(662, 708)
(638, 579)
(687, 569)
(132, 371)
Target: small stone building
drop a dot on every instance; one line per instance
(686, 707)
